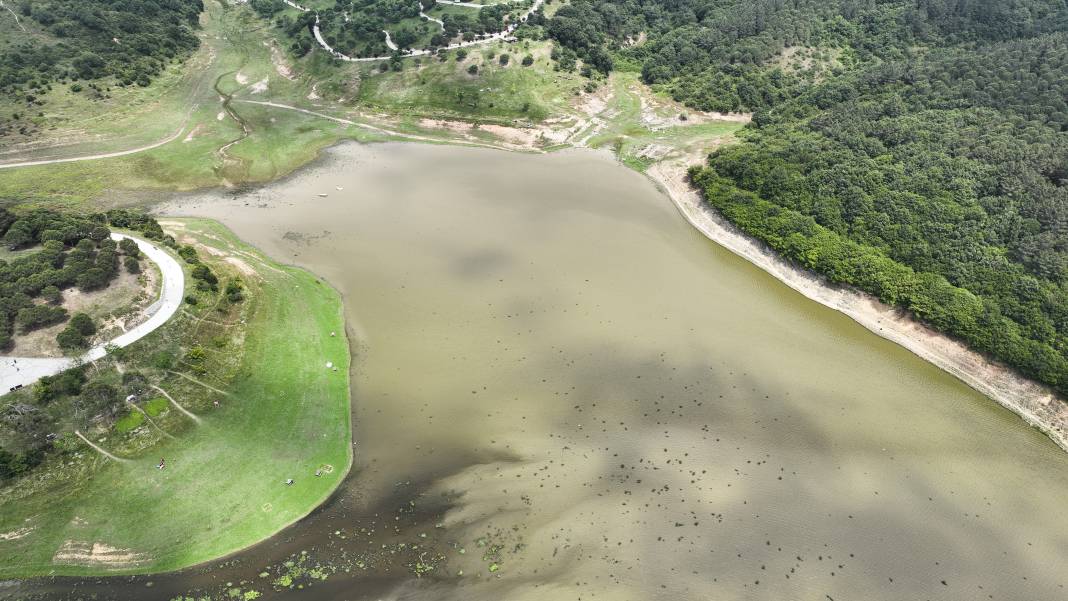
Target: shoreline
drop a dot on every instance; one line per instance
(1033, 402)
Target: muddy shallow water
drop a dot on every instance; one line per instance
(562, 391)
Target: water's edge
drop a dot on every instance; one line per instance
(1034, 402)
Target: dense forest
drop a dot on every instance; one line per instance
(130, 40)
(917, 149)
(732, 55)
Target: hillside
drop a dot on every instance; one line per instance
(916, 149)
(89, 46)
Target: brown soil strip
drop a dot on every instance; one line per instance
(1036, 404)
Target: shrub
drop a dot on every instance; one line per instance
(71, 339)
(162, 360)
(189, 254)
(234, 291)
(83, 323)
(129, 248)
(132, 265)
(205, 274)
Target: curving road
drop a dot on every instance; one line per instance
(15, 371)
(507, 31)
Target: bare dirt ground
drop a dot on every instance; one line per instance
(280, 64)
(15, 534)
(114, 309)
(97, 555)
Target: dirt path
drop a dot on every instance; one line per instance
(106, 155)
(149, 418)
(389, 41)
(188, 413)
(1034, 403)
(429, 18)
(100, 450)
(196, 381)
(13, 14)
(367, 126)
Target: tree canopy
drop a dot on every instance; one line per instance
(130, 40)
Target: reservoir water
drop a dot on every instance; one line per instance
(563, 391)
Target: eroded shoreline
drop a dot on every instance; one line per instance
(1035, 403)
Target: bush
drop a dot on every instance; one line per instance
(189, 254)
(83, 324)
(129, 248)
(71, 339)
(39, 316)
(206, 276)
(162, 360)
(52, 295)
(473, 69)
(234, 291)
(528, 60)
(132, 265)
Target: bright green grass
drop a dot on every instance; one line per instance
(222, 489)
(156, 406)
(132, 419)
(496, 93)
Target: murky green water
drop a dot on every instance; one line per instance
(552, 361)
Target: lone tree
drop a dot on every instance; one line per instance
(75, 335)
(83, 323)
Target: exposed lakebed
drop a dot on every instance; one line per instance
(563, 391)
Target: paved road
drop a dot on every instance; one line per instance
(27, 370)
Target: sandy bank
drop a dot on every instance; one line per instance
(1035, 403)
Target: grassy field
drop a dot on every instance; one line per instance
(233, 143)
(282, 414)
(113, 118)
(186, 97)
(497, 93)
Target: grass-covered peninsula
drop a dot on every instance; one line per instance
(236, 397)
